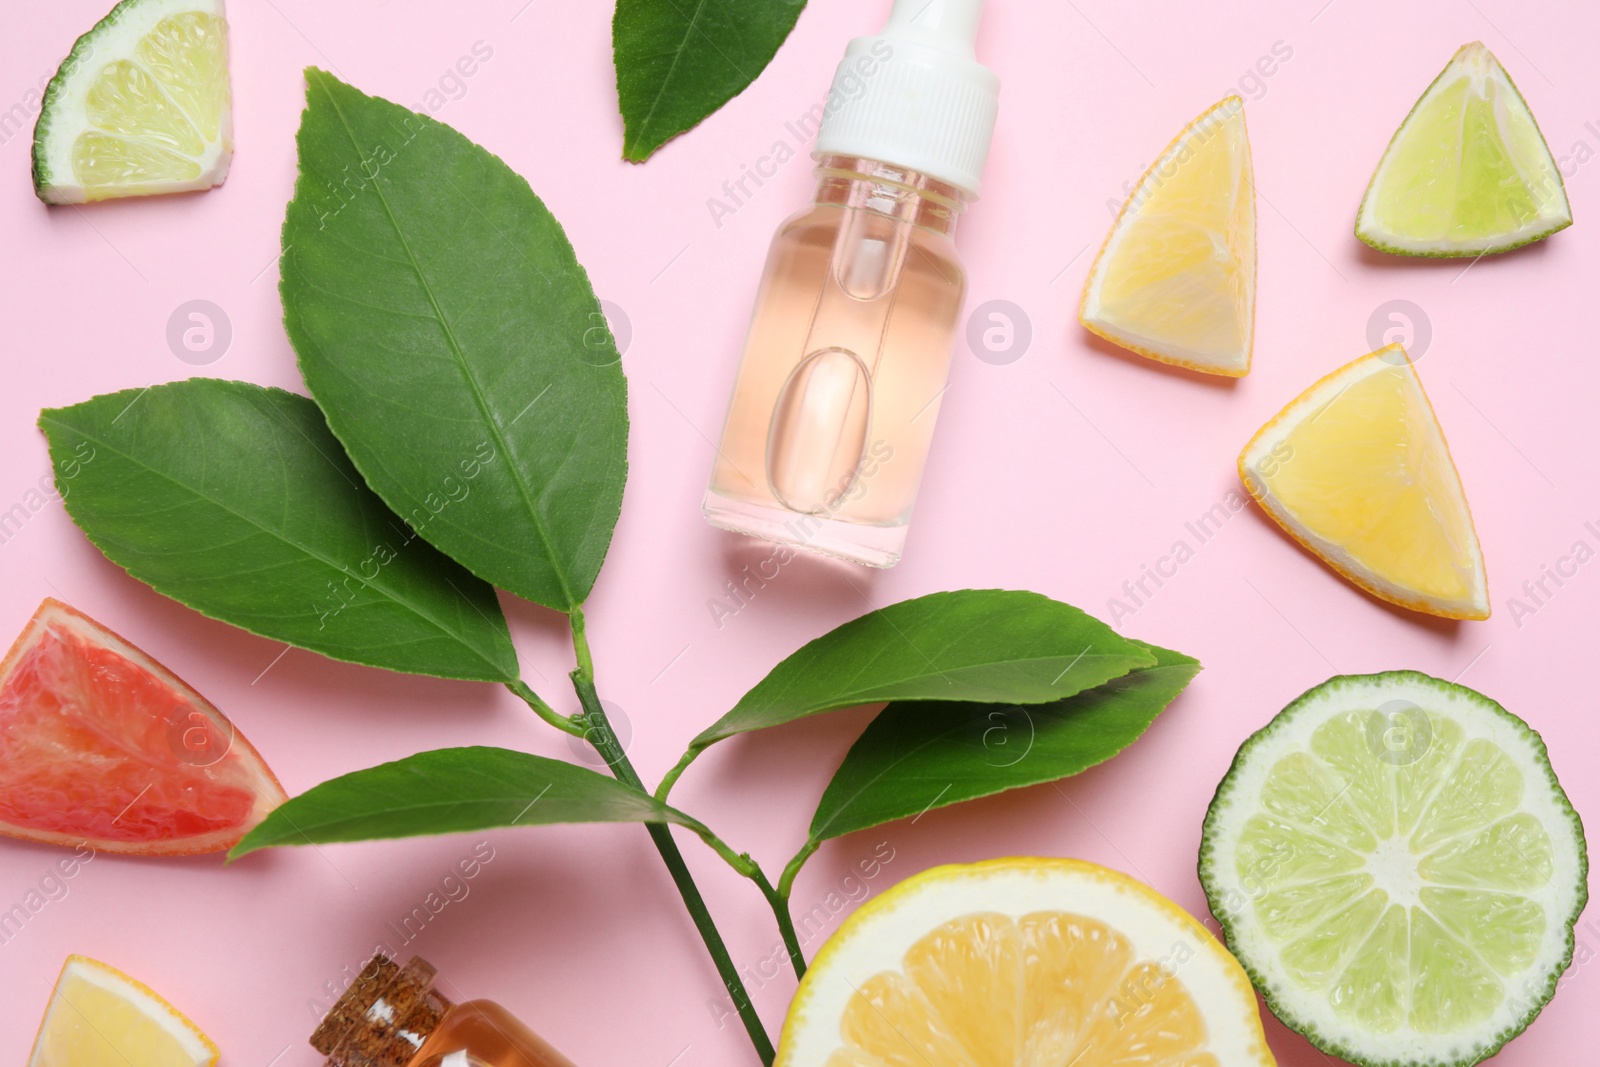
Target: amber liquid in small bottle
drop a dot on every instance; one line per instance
(391, 1016)
(847, 358)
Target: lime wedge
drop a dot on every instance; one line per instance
(1468, 172)
(1396, 866)
(140, 106)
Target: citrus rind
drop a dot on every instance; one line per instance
(1225, 119)
(1547, 209)
(180, 152)
(1289, 735)
(1265, 448)
(878, 936)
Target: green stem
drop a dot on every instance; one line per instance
(779, 903)
(786, 882)
(677, 772)
(749, 868)
(565, 723)
(600, 735)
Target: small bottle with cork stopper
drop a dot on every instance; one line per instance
(391, 1016)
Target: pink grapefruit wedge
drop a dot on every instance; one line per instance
(101, 745)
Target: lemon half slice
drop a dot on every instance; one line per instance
(1023, 963)
(1357, 470)
(1468, 172)
(99, 1017)
(140, 106)
(1176, 277)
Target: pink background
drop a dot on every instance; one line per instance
(577, 929)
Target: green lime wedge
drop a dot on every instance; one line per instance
(1468, 172)
(1396, 866)
(140, 106)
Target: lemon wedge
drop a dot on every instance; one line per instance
(1357, 470)
(99, 1017)
(1176, 277)
(140, 106)
(1023, 963)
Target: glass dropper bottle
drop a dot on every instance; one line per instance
(849, 347)
(391, 1016)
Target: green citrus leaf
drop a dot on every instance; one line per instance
(237, 501)
(680, 60)
(928, 754)
(982, 645)
(449, 333)
(453, 790)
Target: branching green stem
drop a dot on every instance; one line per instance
(779, 902)
(600, 735)
(677, 772)
(565, 723)
(786, 882)
(749, 868)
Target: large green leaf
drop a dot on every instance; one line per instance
(679, 60)
(237, 501)
(922, 755)
(449, 333)
(453, 790)
(984, 645)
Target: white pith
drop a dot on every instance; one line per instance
(65, 112)
(1393, 869)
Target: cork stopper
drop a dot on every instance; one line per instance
(383, 1018)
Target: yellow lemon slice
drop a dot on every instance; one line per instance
(140, 106)
(1468, 172)
(1176, 277)
(1357, 470)
(1023, 963)
(99, 1017)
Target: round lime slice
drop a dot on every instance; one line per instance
(1396, 866)
(140, 106)
(1468, 172)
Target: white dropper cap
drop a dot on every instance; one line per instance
(915, 96)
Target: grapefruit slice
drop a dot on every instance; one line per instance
(101, 745)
